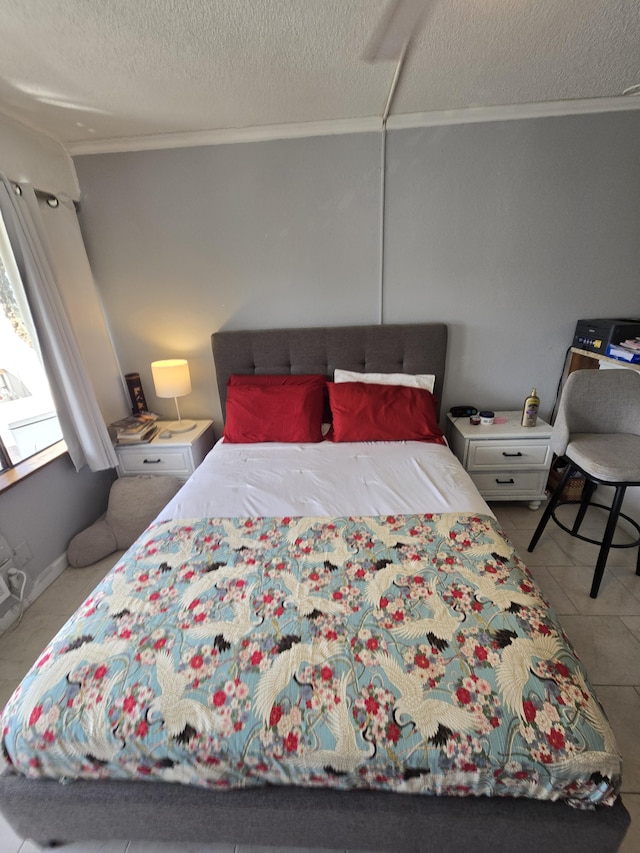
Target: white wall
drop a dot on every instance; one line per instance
(37, 159)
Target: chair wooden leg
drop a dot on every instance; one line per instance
(616, 506)
(587, 493)
(552, 503)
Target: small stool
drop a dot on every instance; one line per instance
(597, 432)
(585, 502)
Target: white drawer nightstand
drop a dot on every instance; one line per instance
(178, 456)
(507, 462)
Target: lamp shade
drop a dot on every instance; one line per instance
(171, 377)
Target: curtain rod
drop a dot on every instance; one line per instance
(52, 200)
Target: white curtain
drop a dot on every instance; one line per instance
(83, 307)
(80, 418)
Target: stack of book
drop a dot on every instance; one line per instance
(628, 350)
(135, 429)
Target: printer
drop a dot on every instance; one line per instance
(597, 335)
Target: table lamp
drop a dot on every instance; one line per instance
(171, 379)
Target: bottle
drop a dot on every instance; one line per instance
(530, 409)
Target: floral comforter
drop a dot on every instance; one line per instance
(405, 653)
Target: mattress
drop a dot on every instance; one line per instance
(326, 479)
(272, 628)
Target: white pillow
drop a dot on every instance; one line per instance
(418, 380)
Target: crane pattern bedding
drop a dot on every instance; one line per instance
(410, 653)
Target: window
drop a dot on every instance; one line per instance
(28, 419)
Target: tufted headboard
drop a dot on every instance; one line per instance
(410, 348)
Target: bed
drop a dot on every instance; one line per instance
(395, 739)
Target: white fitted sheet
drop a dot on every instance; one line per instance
(326, 479)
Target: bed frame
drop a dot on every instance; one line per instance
(303, 817)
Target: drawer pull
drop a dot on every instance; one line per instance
(151, 461)
(504, 453)
(506, 482)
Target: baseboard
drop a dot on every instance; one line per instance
(44, 579)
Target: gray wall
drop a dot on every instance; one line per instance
(511, 231)
(508, 231)
(46, 509)
(184, 242)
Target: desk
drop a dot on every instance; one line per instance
(582, 359)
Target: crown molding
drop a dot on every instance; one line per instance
(513, 112)
(225, 137)
(464, 115)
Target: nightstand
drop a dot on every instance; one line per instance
(507, 462)
(178, 456)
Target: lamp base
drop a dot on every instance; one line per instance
(180, 426)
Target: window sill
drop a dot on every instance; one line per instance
(29, 466)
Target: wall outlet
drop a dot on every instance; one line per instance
(4, 590)
(5, 551)
(14, 580)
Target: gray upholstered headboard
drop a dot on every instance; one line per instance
(410, 348)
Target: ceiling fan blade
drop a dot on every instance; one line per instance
(399, 24)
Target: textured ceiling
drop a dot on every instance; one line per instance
(89, 70)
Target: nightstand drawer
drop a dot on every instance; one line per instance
(175, 455)
(154, 460)
(492, 454)
(491, 484)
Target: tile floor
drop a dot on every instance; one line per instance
(605, 632)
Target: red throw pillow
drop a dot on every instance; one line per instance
(289, 413)
(368, 412)
(286, 379)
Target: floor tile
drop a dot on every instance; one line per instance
(516, 514)
(7, 686)
(628, 577)
(90, 576)
(62, 597)
(633, 624)
(36, 628)
(21, 644)
(552, 591)
(30, 846)
(608, 650)
(631, 843)
(622, 706)
(595, 518)
(17, 657)
(9, 841)
(613, 597)
(546, 553)
(586, 553)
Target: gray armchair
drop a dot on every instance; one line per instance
(597, 431)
